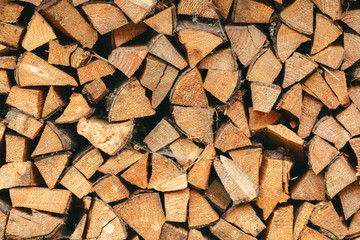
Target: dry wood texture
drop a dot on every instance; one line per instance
(180, 119)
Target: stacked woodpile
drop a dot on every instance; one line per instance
(185, 119)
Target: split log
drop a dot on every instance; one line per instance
(310, 187)
(329, 129)
(299, 16)
(259, 121)
(136, 10)
(23, 124)
(330, 8)
(5, 209)
(110, 188)
(128, 59)
(104, 23)
(176, 204)
(115, 137)
(80, 228)
(34, 71)
(325, 216)
(349, 198)
(163, 22)
(10, 34)
(354, 228)
(351, 18)
(75, 182)
(52, 166)
(200, 213)
(320, 154)
(220, 60)
(54, 139)
(153, 71)
(230, 137)
(251, 11)
(355, 145)
(235, 180)
(60, 54)
(354, 94)
(5, 82)
(17, 148)
(162, 135)
(246, 41)
(79, 57)
(88, 161)
(244, 217)
(217, 195)
(191, 35)
(222, 84)
(332, 56)
(196, 122)
(291, 102)
(34, 224)
(127, 32)
(350, 119)
(310, 233)
(69, 21)
(264, 96)
(56, 98)
(265, 68)
(144, 214)
(95, 91)
(38, 33)
(171, 231)
(351, 41)
(95, 69)
(236, 112)
(224, 230)
(337, 82)
(198, 176)
(195, 234)
(297, 67)
(281, 224)
(161, 47)
(287, 41)
(185, 152)
(339, 175)
(166, 175)
(223, 7)
(19, 174)
(44, 199)
(301, 218)
(104, 223)
(310, 110)
(137, 174)
(202, 8)
(11, 12)
(120, 162)
(76, 109)
(8, 62)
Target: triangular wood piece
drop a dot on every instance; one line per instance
(280, 225)
(217, 195)
(297, 67)
(339, 175)
(176, 204)
(222, 84)
(354, 228)
(310, 109)
(166, 175)
(355, 145)
(252, 11)
(350, 199)
(88, 161)
(274, 178)
(136, 10)
(236, 112)
(51, 167)
(144, 214)
(200, 211)
(331, 8)
(38, 33)
(326, 217)
(110, 188)
(311, 234)
(246, 41)
(53, 139)
(153, 70)
(60, 54)
(128, 32)
(310, 187)
(320, 154)
(352, 19)
(129, 102)
(302, 217)
(287, 41)
(350, 119)
(336, 79)
(173, 231)
(113, 135)
(163, 22)
(201, 8)
(264, 96)
(77, 109)
(190, 36)
(161, 47)
(94, 70)
(250, 160)
(79, 229)
(259, 120)
(185, 152)
(354, 94)
(75, 182)
(137, 174)
(230, 137)
(326, 32)
(35, 71)
(224, 230)
(189, 90)
(128, 59)
(223, 7)
(55, 99)
(236, 181)
(291, 101)
(321, 90)
(332, 56)
(299, 16)
(104, 223)
(351, 42)
(18, 174)
(265, 68)
(199, 175)
(220, 60)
